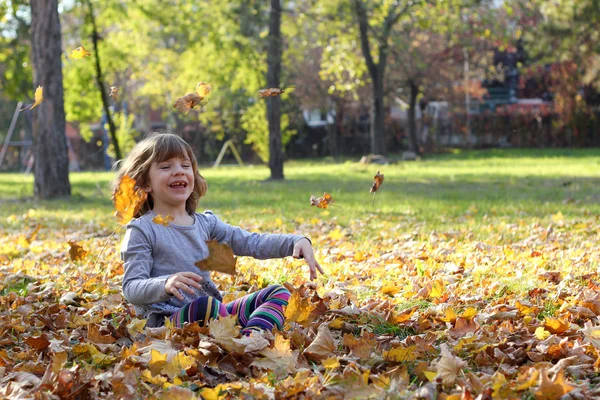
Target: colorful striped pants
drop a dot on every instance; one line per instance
(262, 309)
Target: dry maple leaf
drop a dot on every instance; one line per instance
(448, 366)
(377, 181)
(552, 389)
(224, 329)
(323, 346)
(80, 53)
(128, 199)
(270, 92)
(163, 220)
(279, 358)
(114, 91)
(299, 310)
(321, 202)
(198, 98)
(221, 258)
(77, 252)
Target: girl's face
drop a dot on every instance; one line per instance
(171, 182)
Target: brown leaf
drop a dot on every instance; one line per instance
(114, 91)
(77, 252)
(270, 92)
(38, 342)
(360, 347)
(128, 199)
(321, 202)
(322, 347)
(221, 258)
(377, 181)
(448, 366)
(463, 326)
(279, 358)
(552, 390)
(198, 98)
(95, 336)
(163, 220)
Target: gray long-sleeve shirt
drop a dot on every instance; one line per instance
(152, 252)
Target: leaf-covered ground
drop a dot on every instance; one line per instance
(471, 277)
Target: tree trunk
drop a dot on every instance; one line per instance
(412, 118)
(274, 102)
(51, 168)
(100, 82)
(378, 119)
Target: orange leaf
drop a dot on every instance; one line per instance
(360, 347)
(377, 181)
(321, 202)
(38, 342)
(203, 89)
(552, 390)
(95, 336)
(164, 221)
(80, 53)
(271, 92)
(198, 98)
(556, 325)
(128, 199)
(77, 252)
(221, 258)
(299, 310)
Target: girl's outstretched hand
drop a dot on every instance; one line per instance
(182, 281)
(303, 249)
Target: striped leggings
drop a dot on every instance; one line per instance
(259, 310)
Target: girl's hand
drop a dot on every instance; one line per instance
(303, 249)
(182, 281)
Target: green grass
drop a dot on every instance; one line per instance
(474, 189)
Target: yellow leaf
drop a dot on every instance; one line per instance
(389, 289)
(552, 390)
(331, 362)
(203, 89)
(541, 333)
(336, 234)
(157, 380)
(164, 221)
(336, 324)
(278, 222)
(79, 53)
(38, 97)
(531, 381)
(221, 258)
(178, 365)
(437, 289)
(558, 217)
(128, 199)
(219, 392)
(299, 310)
(279, 358)
(157, 362)
(470, 312)
(430, 375)
(136, 326)
(450, 315)
(401, 354)
(224, 329)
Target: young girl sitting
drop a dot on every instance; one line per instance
(160, 278)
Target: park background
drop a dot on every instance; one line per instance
(471, 273)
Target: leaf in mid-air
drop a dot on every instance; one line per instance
(128, 199)
(76, 252)
(199, 98)
(221, 258)
(321, 202)
(377, 181)
(80, 53)
(270, 92)
(114, 91)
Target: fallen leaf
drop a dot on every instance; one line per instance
(279, 358)
(321, 202)
(377, 181)
(541, 333)
(221, 258)
(323, 346)
(552, 390)
(360, 347)
(401, 354)
(448, 366)
(128, 199)
(77, 252)
(163, 220)
(556, 325)
(224, 329)
(299, 310)
(79, 53)
(38, 342)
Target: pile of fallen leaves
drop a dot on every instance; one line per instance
(399, 315)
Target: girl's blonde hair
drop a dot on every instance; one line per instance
(158, 147)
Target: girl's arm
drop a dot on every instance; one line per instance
(138, 287)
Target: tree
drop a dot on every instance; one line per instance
(274, 49)
(51, 169)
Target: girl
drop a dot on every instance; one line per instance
(160, 278)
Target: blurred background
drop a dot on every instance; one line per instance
(396, 78)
